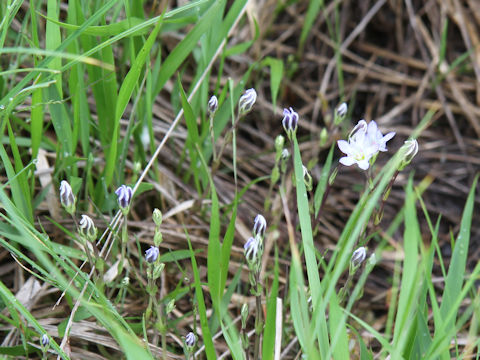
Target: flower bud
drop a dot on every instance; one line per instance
(290, 122)
(67, 198)
(279, 142)
(87, 228)
(157, 217)
(323, 136)
(252, 249)
(259, 226)
(212, 105)
(340, 113)
(124, 194)
(307, 179)
(285, 154)
(190, 340)
(357, 259)
(45, 341)
(247, 100)
(410, 149)
(151, 255)
(157, 271)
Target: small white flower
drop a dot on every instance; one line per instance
(285, 154)
(375, 137)
(259, 226)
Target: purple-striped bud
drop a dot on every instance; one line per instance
(151, 255)
(124, 194)
(290, 122)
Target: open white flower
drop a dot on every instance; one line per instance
(364, 142)
(357, 151)
(375, 137)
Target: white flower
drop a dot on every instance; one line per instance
(364, 142)
(357, 151)
(375, 137)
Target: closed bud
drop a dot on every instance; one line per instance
(124, 194)
(290, 122)
(87, 228)
(45, 341)
(279, 142)
(246, 102)
(157, 217)
(190, 340)
(410, 149)
(157, 271)
(340, 113)
(323, 137)
(307, 179)
(259, 226)
(212, 105)
(67, 199)
(358, 257)
(157, 238)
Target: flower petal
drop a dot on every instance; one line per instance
(347, 161)
(344, 147)
(363, 164)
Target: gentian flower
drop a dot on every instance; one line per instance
(124, 194)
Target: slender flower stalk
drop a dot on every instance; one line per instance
(356, 261)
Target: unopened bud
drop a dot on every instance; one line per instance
(259, 226)
(190, 340)
(124, 194)
(410, 149)
(307, 178)
(323, 137)
(244, 314)
(170, 306)
(67, 198)
(246, 102)
(290, 122)
(340, 113)
(212, 105)
(151, 255)
(157, 217)
(45, 341)
(87, 228)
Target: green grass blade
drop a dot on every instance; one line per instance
(202, 310)
(322, 182)
(124, 96)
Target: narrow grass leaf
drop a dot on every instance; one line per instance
(268, 345)
(124, 96)
(202, 310)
